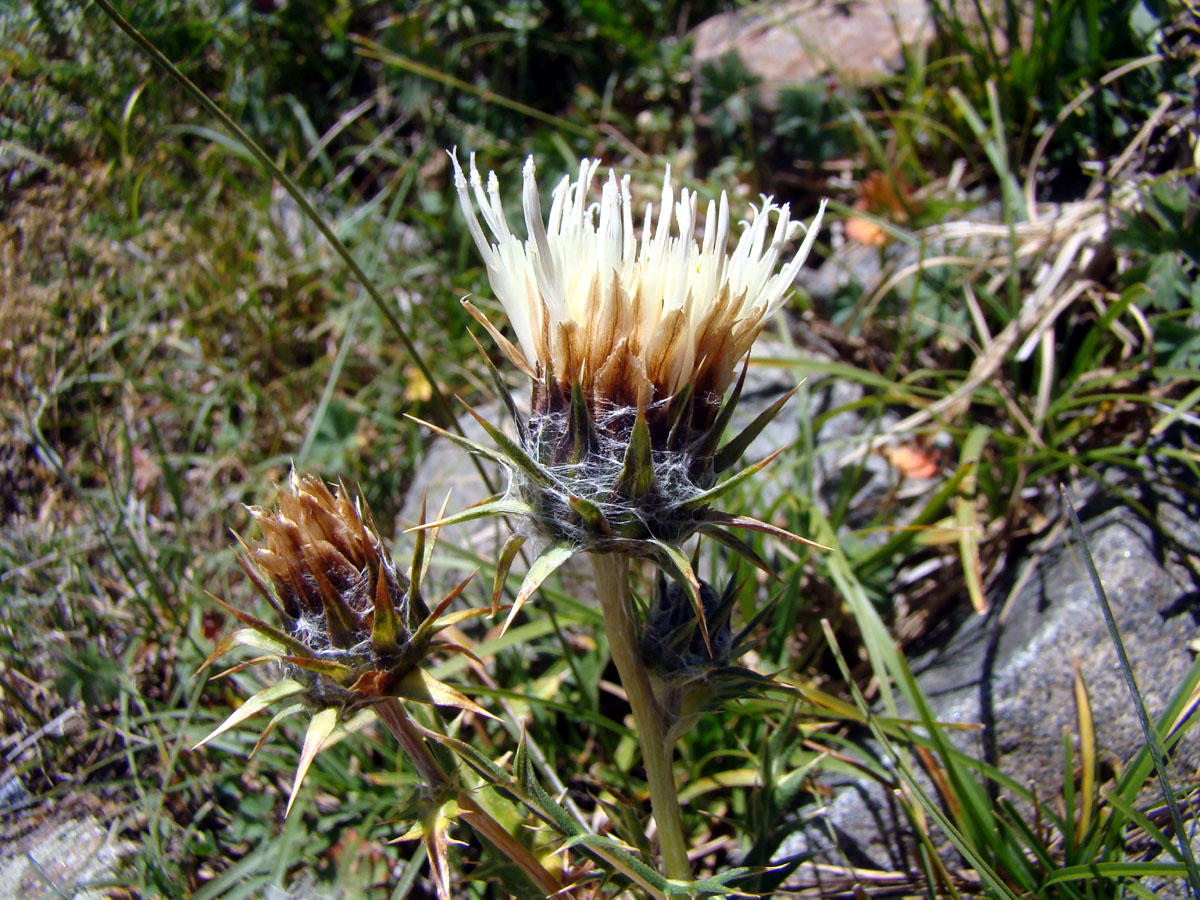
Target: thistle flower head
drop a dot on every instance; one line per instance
(354, 627)
(630, 335)
(631, 318)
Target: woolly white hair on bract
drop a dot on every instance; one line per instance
(623, 315)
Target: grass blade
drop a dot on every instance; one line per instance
(1157, 754)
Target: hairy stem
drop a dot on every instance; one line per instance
(612, 586)
(392, 714)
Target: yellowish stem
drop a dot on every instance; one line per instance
(612, 586)
(392, 714)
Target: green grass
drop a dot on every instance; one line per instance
(174, 334)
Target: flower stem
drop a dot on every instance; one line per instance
(612, 586)
(392, 714)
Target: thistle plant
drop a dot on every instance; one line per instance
(631, 344)
(355, 636)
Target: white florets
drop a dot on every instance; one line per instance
(582, 279)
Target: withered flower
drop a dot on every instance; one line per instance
(355, 628)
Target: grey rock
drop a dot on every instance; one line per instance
(61, 858)
(448, 470)
(787, 44)
(1012, 672)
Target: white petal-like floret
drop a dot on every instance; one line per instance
(592, 303)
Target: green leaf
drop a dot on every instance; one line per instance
(539, 570)
(314, 739)
(1101, 870)
(732, 451)
(255, 703)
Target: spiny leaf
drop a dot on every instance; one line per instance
(243, 637)
(708, 443)
(244, 561)
(679, 411)
(339, 618)
(415, 569)
(503, 563)
(264, 628)
(437, 620)
(385, 621)
(591, 514)
(436, 833)
(580, 425)
(513, 452)
(730, 521)
(466, 443)
(635, 868)
(498, 382)
(246, 664)
(732, 451)
(327, 668)
(738, 546)
(506, 346)
(275, 720)
(539, 570)
(459, 615)
(538, 796)
(417, 609)
(499, 506)
(255, 703)
(418, 685)
(720, 490)
(680, 568)
(314, 739)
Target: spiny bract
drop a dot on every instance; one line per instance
(355, 628)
